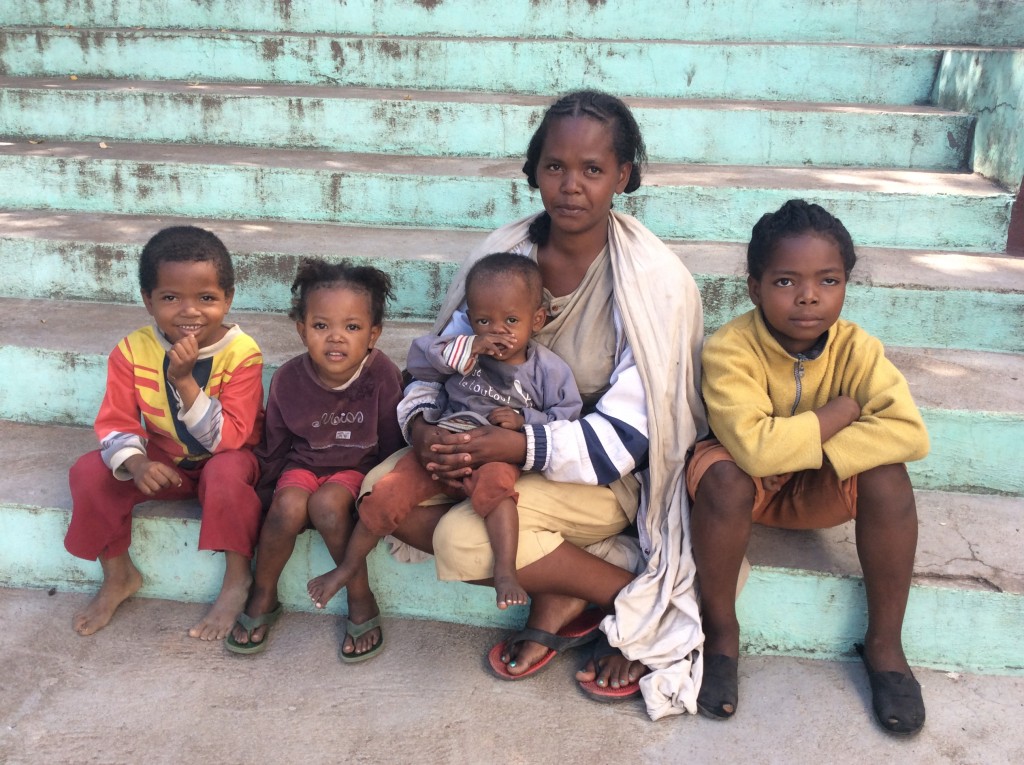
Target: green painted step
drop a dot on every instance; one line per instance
(827, 72)
(973, 436)
(888, 208)
(94, 257)
(465, 124)
(870, 21)
(961, 624)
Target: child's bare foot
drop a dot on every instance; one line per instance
(229, 604)
(509, 591)
(324, 587)
(121, 580)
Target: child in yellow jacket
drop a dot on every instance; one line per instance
(813, 427)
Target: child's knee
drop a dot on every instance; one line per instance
(231, 468)
(329, 511)
(288, 512)
(886, 489)
(725, 488)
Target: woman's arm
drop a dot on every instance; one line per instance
(603, 446)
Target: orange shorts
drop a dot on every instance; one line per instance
(308, 481)
(808, 499)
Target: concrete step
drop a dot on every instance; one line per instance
(972, 402)
(89, 256)
(830, 72)
(472, 124)
(968, 575)
(882, 207)
(970, 22)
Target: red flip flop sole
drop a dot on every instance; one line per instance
(608, 694)
(580, 627)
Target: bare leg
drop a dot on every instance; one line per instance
(216, 625)
(720, 521)
(121, 580)
(561, 584)
(886, 543)
(503, 530)
(287, 518)
(324, 587)
(330, 510)
(417, 529)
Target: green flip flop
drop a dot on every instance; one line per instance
(250, 624)
(354, 631)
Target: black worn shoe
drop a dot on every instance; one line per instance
(896, 698)
(719, 690)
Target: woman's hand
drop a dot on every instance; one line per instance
(482, 445)
(450, 468)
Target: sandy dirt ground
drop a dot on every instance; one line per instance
(141, 691)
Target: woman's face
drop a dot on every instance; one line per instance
(578, 174)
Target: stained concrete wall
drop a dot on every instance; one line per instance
(990, 85)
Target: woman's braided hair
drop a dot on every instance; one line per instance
(627, 142)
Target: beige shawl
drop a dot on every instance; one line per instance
(656, 618)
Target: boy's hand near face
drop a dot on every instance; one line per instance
(151, 477)
(182, 359)
(506, 417)
(493, 344)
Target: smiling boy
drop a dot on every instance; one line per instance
(181, 410)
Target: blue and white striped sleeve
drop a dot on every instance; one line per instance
(604, 445)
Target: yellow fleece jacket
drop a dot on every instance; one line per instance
(761, 401)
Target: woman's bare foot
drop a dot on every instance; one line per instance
(549, 613)
(260, 602)
(229, 604)
(324, 587)
(508, 591)
(121, 580)
(614, 671)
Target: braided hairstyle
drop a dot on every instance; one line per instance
(185, 244)
(316, 274)
(627, 142)
(796, 217)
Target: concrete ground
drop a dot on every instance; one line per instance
(142, 691)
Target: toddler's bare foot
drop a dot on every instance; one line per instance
(217, 623)
(121, 580)
(324, 587)
(509, 592)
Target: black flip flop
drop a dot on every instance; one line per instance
(896, 698)
(720, 687)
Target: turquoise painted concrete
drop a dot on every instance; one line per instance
(989, 84)
(48, 269)
(971, 222)
(690, 132)
(845, 73)
(971, 451)
(822, 617)
(165, 550)
(983, 22)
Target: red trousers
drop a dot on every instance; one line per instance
(101, 505)
(396, 494)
